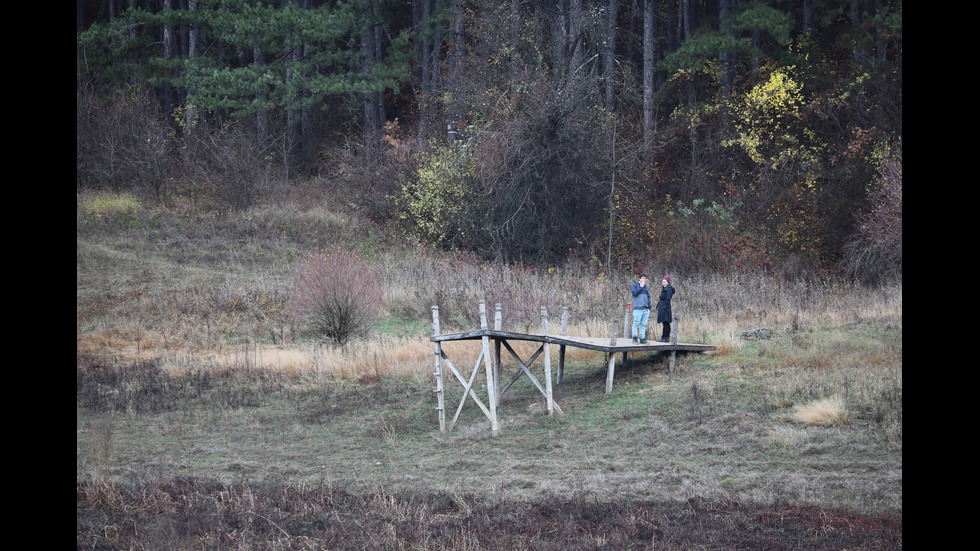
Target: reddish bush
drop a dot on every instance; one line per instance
(336, 295)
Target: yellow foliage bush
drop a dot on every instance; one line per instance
(433, 202)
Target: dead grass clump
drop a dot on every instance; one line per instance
(825, 412)
(728, 344)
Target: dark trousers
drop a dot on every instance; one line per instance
(666, 334)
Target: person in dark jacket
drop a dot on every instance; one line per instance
(664, 315)
(641, 309)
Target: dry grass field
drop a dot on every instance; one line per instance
(208, 419)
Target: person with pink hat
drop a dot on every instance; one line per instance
(664, 315)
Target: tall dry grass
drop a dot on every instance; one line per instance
(218, 321)
(196, 288)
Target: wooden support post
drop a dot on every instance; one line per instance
(497, 324)
(491, 386)
(561, 348)
(549, 398)
(612, 358)
(627, 328)
(673, 341)
(440, 395)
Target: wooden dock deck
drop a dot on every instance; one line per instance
(612, 346)
(601, 344)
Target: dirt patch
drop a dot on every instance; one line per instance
(198, 514)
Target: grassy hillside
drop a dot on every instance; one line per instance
(207, 418)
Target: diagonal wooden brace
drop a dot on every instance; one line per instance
(525, 370)
(467, 389)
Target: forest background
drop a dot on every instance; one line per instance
(713, 135)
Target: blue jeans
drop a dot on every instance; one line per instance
(640, 318)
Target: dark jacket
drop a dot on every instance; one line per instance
(641, 296)
(663, 305)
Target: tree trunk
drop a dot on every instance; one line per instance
(574, 40)
(262, 114)
(609, 54)
(457, 53)
(370, 55)
(690, 17)
(673, 26)
(168, 53)
(807, 15)
(428, 45)
(725, 63)
(649, 60)
(190, 110)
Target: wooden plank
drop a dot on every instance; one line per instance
(589, 343)
(469, 335)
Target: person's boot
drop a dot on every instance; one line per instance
(643, 341)
(634, 340)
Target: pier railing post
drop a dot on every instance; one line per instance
(627, 328)
(497, 325)
(491, 386)
(549, 398)
(673, 341)
(440, 395)
(612, 358)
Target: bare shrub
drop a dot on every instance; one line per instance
(367, 175)
(336, 295)
(226, 163)
(121, 143)
(876, 249)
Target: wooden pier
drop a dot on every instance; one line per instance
(501, 339)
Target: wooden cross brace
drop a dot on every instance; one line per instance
(467, 389)
(526, 370)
